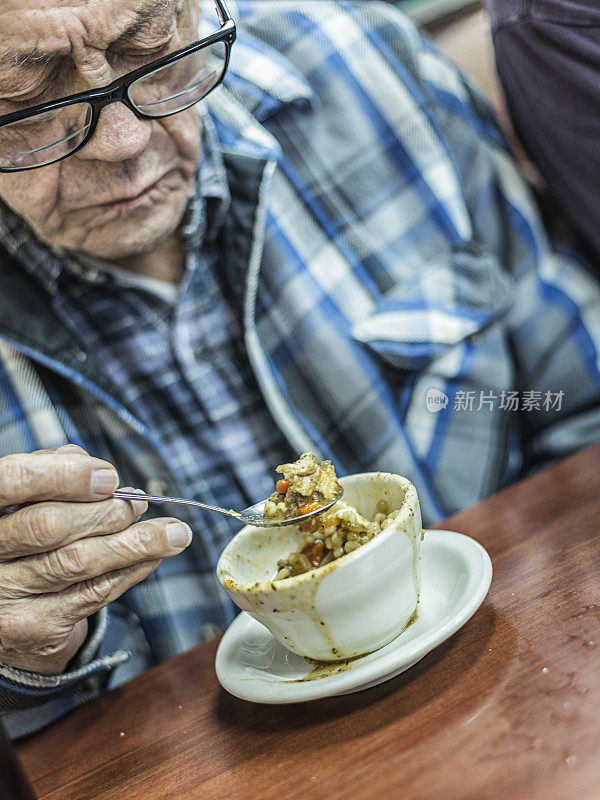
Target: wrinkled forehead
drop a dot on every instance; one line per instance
(36, 28)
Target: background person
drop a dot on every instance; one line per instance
(548, 60)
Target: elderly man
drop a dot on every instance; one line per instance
(333, 252)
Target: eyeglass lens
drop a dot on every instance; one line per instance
(45, 137)
(179, 85)
(51, 135)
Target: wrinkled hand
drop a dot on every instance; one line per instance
(67, 549)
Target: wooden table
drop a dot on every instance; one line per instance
(509, 707)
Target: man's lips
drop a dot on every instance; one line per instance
(129, 199)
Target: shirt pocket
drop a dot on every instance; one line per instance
(446, 302)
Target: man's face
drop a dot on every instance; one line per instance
(125, 191)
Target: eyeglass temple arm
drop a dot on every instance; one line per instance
(222, 12)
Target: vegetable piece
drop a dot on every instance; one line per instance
(314, 552)
(308, 507)
(310, 525)
(302, 565)
(282, 486)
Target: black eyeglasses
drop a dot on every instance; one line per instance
(49, 132)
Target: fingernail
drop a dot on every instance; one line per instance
(179, 534)
(104, 481)
(73, 449)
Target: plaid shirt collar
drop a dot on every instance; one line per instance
(263, 81)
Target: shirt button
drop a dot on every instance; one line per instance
(156, 486)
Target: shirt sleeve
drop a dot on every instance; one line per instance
(30, 701)
(548, 61)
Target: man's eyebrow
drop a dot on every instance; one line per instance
(24, 58)
(144, 18)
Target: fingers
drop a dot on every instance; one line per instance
(42, 634)
(67, 549)
(66, 475)
(46, 526)
(82, 600)
(91, 557)
(25, 650)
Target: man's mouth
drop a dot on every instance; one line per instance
(129, 200)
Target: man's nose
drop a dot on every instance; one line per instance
(119, 135)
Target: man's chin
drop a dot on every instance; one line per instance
(123, 247)
(130, 235)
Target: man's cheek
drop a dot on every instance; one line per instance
(32, 195)
(184, 130)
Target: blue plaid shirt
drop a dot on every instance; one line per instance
(368, 277)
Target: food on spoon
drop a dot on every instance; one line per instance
(340, 530)
(307, 484)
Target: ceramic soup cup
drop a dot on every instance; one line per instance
(351, 606)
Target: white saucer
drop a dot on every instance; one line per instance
(457, 573)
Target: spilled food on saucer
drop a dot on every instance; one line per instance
(342, 584)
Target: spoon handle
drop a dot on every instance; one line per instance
(157, 499)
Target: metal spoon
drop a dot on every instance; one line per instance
(250, 516)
